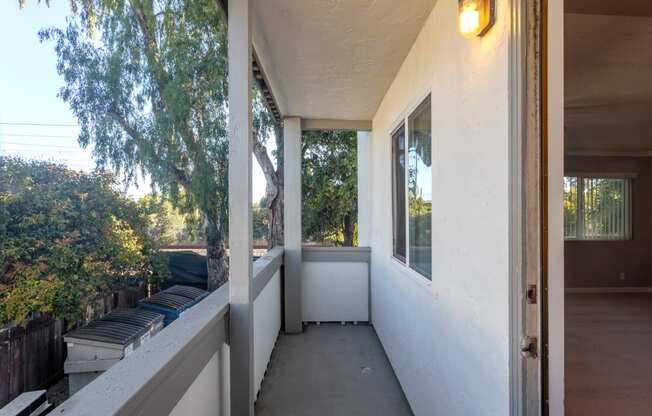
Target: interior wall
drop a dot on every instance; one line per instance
(601, 263)
(448, 340)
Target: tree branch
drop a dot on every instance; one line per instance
(162, 79)
(181, 175)
(271, 176)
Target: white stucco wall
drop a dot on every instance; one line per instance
(267, 324)
(448, 340)
(204, 396)
(334, 291)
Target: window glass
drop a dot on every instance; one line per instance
(420, 189)
(398, 192)
(570, 207)
(597, 208)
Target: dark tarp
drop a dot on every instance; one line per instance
(186, 268)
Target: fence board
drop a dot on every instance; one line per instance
(4, 366)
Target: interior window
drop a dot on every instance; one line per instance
(597, 208)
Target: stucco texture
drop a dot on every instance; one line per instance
(448, 339)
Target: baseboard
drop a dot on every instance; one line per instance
(609, 290)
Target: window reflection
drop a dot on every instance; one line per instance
(420, 189)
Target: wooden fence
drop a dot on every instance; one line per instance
(31, 357)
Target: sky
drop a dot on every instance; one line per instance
(34, 122)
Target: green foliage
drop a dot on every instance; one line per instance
(260, 220)
(595, 208)
(330, 187)
(147, 81)
(65, 238)
(420, 221)
(166, 225)
(570, 207)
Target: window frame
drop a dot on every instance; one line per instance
(402, 122)
(628, 209)
(395, 131)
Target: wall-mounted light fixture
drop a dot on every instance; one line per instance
(476, 16)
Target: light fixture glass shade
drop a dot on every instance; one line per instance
(476, 16)
(469, 21)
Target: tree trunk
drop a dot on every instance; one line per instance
(348, 231)
(273, 192)
(216, 260)
(275, 210)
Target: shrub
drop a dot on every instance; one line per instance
(67, 237)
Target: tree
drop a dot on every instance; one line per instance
(330, 187)
(264, 126)
(150, 92)
(147, 82)
(166, 225)
(65, 238)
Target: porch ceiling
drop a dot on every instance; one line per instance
(334, 59)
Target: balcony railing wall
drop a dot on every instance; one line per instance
(185, 368)
(335, 284)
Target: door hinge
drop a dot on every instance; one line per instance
(531, 294)
(529, 347)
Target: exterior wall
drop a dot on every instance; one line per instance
(600, 263)
(448, 340)
(203, 396)
(267, 324)
(335, 291)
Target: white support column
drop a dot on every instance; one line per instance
(364, 188)
(292, 218)
(240, 223)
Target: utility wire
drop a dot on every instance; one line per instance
(38, 135)
(40, 124)
(42, 145)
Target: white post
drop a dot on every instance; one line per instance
(240, 223)
(364, 188)
(292, 219)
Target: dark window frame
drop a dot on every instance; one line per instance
(400, 198)
(398, 201)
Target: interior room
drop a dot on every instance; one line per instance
(607, 206)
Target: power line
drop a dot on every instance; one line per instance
(41, 145)
(38, 135)
(40, 124)
(59, 159)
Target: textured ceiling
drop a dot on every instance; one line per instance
(335, 59)
(610, 7)
(608, 82)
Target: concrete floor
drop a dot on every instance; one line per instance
(609, 354)
(331, 370)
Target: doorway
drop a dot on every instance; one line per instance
(605, 197)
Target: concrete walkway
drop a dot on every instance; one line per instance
(331, 370)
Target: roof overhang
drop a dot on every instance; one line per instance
(333, 60)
